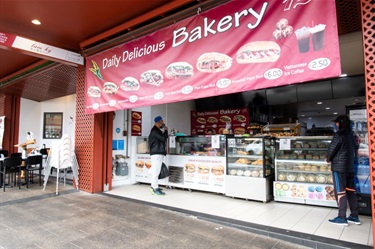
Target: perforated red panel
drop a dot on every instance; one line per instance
(84, 134)
(368, 31)
(348, 16)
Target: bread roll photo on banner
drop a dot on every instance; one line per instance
(258, 52)
(129, 84)
(213, 62)
(110, 88)
(179, 70)
(152, 77)
(93, 92)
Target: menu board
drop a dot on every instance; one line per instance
(215, 122)
(136, 128)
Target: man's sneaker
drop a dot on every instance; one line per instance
(161, 190)
(339, 221)
(354, 220)
(156, 192)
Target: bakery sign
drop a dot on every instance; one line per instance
(215, 122)
(238, 46)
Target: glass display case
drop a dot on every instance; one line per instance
(250, 167)
(251, 156)
(197, 162)
(301, 172)
(209, 145)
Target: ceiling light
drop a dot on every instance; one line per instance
(302, 115)
(343, 75)
(319, 103)
(327, 108)
(36, 22)
(335, 113)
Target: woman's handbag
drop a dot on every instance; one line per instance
(164, 172)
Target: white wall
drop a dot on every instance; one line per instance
(32, 114)
(31, 119)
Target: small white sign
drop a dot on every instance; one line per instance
(215, 141)
(284, 144)
(172, 141)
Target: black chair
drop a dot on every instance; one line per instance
(5, 153)
(17, 155)
(33, 163)
(11, 166)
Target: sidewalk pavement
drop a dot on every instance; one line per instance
(33, 218)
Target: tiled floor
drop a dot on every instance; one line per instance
(311, 220)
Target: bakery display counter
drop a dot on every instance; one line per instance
(301, 172)
(198, 163)
(250, 167)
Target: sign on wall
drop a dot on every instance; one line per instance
(239, 46)
(136, 129)
(202, 123)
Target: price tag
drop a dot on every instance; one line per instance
(158, 95)
(273, 73)
(231, 143)
(223, 83)
(172, 141)
(319, 64)
(187, 89)
(286, 128)
(215, 141)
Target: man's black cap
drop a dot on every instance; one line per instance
(341, 119)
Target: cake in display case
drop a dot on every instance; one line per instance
(250, 167)
(301, 172)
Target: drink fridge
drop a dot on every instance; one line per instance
(358, 117)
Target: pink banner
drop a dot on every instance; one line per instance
(239, 46)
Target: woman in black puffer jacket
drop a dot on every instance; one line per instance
(340, 154)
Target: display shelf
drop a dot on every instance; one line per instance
(283, 130)
(301, 173)
(253, 155)
(250, 165)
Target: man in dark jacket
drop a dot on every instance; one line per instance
(340, 154)
(157, 144)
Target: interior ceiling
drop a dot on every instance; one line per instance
(80, 25)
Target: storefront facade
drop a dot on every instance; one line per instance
(93, 133)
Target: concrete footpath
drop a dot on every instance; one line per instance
(33, 218)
